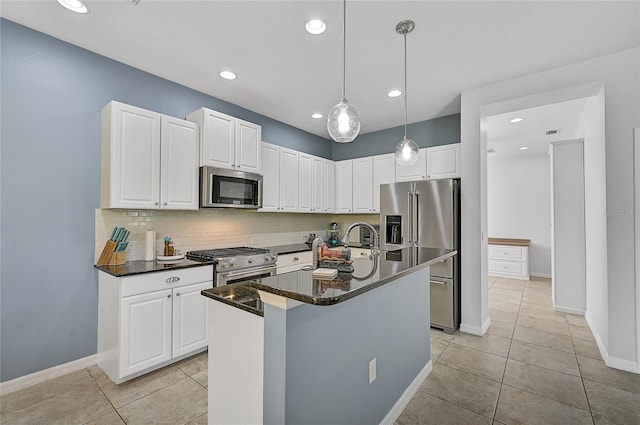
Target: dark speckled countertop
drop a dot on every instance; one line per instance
(240, 295)
(140, 266)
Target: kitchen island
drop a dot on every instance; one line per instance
(294, 349)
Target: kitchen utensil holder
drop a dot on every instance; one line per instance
(118, 258)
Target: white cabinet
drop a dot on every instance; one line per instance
(507, 260)
(228, 142)
(149, 160)
(417, 171)
(443, 162)
(305, 176)
(329, 188)
(362, 185)
(149, 320)
(279, 179)
(344, 187)
(384, 172)
(318, 182)
(292, 262)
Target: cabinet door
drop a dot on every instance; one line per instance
(189, 318)
(305, 173)
(179, 157)
(443, 162)
(384, 172)
(362, 185)
(329, 187)
(344, 186)
(317, 185)
(132, 135)
(288, 180)
(145, 330)
(270, 177)
(417, 171)
(217, 141)
(248, 140)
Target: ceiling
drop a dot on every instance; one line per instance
(288, 74)
(506, 138)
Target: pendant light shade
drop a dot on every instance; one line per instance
(407, 149)
(343, 121)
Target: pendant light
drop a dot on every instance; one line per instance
(407, 149)
(343, 121)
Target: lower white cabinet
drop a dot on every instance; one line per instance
(149, 320)
(292, 262)
(510, 261)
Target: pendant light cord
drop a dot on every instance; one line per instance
(344, 48)
(405, 85)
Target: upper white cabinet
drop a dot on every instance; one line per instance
(362, 185)
(228, 142)
(384, 172)
(344, 187)
(329, 189)
(305, 176)
(280, 183)
(149, 160)
(443, 162)
(417, 171)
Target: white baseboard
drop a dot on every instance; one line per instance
(569, 310)
(545, 275)
(475, 330)
(406, 397)
(614, 362)
(44, 375)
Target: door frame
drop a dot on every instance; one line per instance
(636, 226)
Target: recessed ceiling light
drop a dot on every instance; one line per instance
(315, 26)
(228, 75)
(524, 148)
(517, 120)
(316, 115)
(74, 5)
(394, 93)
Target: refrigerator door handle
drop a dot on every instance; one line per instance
(416, 219)
(410, 218)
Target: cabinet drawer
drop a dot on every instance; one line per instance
(298, 258)
(507, 267)
(508, 252)
(149, 282)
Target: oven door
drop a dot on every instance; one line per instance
(232, 276)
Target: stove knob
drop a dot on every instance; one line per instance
(232, 263)
(250, 260)
(274, 257)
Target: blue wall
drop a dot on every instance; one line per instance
(52, 94)
(435, 132)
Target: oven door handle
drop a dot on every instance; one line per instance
(251, 272)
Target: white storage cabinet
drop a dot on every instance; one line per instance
(344, 187)
(509, 261)
(228, 142)
(280, 183)
(292, 262)
(149, 160)
(149, 320)
(311, 186)
(417, 171)
(443, 162)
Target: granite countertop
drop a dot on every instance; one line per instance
(241, 295)
(369, 274)
(140, 266)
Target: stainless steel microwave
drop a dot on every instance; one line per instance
(221, 188)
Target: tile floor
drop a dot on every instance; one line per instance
(534, 366)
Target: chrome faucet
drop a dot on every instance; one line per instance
(375, 248)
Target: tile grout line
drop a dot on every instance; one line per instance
(107, 397)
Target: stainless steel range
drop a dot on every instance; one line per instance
(237, 264)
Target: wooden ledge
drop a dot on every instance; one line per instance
(507, 241)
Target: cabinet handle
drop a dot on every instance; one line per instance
(178, 294)
(156, 203)
(295, 259)
(165, 203)
(173, 279)
(169, 296)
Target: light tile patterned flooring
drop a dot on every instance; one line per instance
(534, 366)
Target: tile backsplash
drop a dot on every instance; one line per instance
(214, 228)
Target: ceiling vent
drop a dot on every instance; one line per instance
(551, 132)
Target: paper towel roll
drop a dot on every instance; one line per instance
(150, 246)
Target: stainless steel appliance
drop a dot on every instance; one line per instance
(427, 214)
(237, 264)
(221, 188)
(366, 235)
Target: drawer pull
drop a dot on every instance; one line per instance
(173, 279)
(295, 259)
(169, 296)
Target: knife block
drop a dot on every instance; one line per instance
(107, 252)
(118, 258)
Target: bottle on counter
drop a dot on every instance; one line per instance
(167, 245)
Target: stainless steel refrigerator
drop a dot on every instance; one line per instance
(427, 214)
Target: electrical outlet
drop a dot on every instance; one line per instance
(372, 370)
